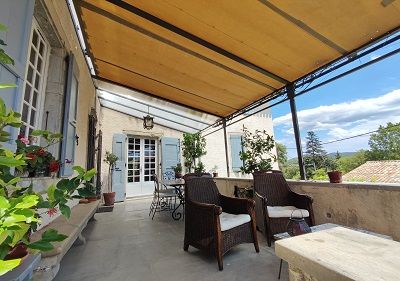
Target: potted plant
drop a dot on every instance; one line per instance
(214, 171)
(20, 208)
(40, 162)
(257, 153)
(109, 197)
(194, 146)
(178, 171)
(335, 176)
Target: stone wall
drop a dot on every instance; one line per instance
(375, 207)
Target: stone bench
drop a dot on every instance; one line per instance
(49, 265)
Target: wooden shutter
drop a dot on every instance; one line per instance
(236, 148)
(119, 178)
(170, 157)
(17, 16)
(69, 122)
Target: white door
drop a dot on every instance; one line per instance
(142, 163)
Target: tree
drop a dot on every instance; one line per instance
(194, 146)
(281, 151)
(315, 156)
(385, 143)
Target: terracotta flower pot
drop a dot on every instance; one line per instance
(91, 199)
(178, 175)
(335, 177)
(109, 198)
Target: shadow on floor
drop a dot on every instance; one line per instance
(127, 245)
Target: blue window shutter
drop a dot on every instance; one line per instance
(17, 16)
(170, 157)
(69, 122)
(119, 178)
(236, 148)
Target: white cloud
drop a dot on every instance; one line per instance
(346, 119)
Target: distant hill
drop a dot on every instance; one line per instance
(332, 154)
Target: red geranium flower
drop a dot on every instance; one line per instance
(54, 166)
(31, 156)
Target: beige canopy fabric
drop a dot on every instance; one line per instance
(218, 56)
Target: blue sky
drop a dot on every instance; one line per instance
(349, 106)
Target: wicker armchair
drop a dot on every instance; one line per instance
(276, 202)
(214, 222)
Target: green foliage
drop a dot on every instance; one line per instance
(257, 154)
(320, 175)
(178, 168)
(281, 152)
(19, 206)
(315, 156)
(194, 146)
(385, 144)
(111, 159)
(349, 163)
(5, 58)
(199, 168)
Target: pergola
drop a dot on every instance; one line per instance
(223, 58)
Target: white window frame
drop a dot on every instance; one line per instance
(43, 82)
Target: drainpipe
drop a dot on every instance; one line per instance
(226, 148)
(291, 94)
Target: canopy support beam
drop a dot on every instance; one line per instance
(226, 149)
(291, 94)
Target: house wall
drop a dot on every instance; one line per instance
(114, 122)
(216, 147)
(61, 20)
(375, 207)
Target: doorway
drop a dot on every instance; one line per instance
(142, 159)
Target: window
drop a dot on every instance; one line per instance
(34, 81)
(236, 148)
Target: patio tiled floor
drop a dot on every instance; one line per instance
(127, 245)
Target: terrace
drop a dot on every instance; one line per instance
(194, 68)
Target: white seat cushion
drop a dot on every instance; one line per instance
(229, 221)
(286, 212)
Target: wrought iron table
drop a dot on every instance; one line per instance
(178, 184)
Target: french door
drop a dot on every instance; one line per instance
(142, 165)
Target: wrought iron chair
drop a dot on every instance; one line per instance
(164, 199)
(276, 202)
(214, 222)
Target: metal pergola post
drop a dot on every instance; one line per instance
(291, 95)
(226, 148)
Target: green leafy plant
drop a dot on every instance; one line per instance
(200, 168)
(39, 160)
(194, 146)
(177, 168)
(111, 159)
(257, 151)
(20, 206)
(5, 58)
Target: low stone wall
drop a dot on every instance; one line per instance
(375, 207)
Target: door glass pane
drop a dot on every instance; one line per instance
(33, 115)
(25, 111)
(27, 95)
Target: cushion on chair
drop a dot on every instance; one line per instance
(286, 212)
(229, 221)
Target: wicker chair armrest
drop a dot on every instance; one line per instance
(303, 201)
(237, 205)
(203, 208)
